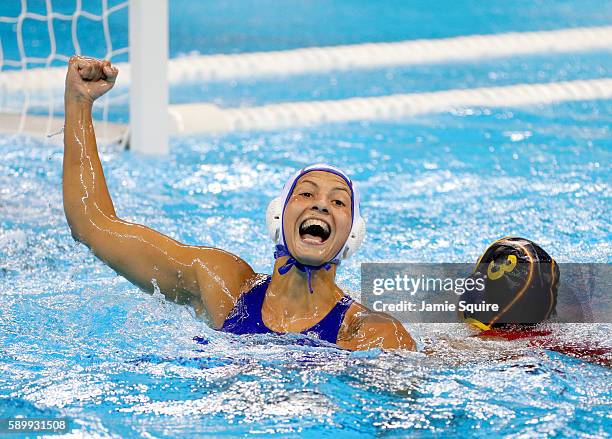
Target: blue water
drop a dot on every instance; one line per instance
(254, 25)
(120, 362)
(77, 340)
(226, 26)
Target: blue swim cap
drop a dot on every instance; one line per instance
(276, 230)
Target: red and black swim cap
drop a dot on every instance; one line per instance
(521, 278)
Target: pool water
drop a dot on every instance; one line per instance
(222, 26)
(78, 341)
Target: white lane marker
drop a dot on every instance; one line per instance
(357, 56)
(208, 118)
(199, 118)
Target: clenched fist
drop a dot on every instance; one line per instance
(88, 78)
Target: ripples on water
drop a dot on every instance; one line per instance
(76, 340)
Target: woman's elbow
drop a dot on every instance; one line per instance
(83, 228)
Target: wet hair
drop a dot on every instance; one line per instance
(521, 278)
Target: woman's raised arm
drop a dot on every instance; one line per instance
(209, 278)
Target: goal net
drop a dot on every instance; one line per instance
(36, 40)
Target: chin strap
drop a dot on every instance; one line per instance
(477, 324)
(281, 251)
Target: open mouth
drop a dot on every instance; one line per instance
(314, 231)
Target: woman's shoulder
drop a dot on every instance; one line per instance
(364, 329)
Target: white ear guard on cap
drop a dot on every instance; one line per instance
(274, 219)
(355, 239)
(274, 213)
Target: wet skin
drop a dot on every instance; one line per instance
(211, 279)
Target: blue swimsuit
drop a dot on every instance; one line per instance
(246, 318)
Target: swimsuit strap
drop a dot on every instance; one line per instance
(328, 328)
(245, 317)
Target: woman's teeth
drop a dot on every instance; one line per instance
(315, 222)
(314, 231)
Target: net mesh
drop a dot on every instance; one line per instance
(40, 36)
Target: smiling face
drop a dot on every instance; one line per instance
(317, 218)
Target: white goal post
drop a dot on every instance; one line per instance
(148, 29)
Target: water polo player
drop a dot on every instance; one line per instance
(315, 223)
(520, 278)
